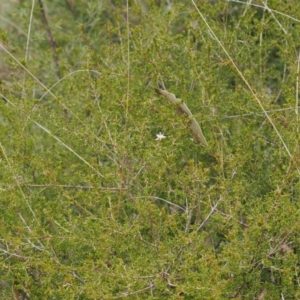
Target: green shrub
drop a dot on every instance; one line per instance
(94, 206)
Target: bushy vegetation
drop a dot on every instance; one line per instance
(94, 206)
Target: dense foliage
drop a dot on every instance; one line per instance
(93, 205)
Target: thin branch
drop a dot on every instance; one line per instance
(273, 10)
(68, 186)
(70, 5)
(297, 90)
(210, 214)
(50, 38)
(29, 30)
(126, 294)
(128, 57)
(164, 200)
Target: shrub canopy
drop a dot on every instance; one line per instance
(105, 193)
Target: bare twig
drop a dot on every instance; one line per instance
(126, 294)
(70, 5)
(210, 214)
(50, 38)
(69, 186)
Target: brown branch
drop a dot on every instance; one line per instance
(70, 5)
(50, 38)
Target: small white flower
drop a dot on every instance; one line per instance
(160, 136)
